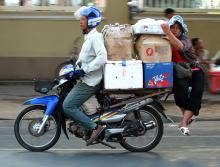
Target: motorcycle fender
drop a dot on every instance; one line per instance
(49, 101)
(156, 108)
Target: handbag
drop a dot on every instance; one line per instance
(182, 70)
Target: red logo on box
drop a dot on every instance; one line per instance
(149, 51)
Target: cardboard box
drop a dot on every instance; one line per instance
(153, 48)
(123, 75)
(158, 75)
(119, 42)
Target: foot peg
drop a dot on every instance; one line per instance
(103, 143)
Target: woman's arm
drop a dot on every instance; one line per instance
(175, 42)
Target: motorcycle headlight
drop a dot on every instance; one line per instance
(66, 69)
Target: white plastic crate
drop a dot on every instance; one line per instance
(123, 75)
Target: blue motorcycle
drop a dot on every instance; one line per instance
(133, 121)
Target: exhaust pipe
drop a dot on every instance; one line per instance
(114, 131)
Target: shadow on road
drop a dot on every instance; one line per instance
(94, 158)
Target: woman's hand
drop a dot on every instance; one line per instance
(166, 28)
(175, 42)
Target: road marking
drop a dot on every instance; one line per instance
(82, 150)
(193, 136)
(61, 149)
(6, 127)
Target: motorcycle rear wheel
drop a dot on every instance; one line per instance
(26, 125)
(149, 117)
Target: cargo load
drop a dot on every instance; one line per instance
(153, 69)
(153, 48)
(123, 75)
(148, 26)
(158, 75)
(118, 42)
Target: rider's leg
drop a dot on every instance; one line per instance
(72, 103)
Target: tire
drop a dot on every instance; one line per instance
(152, 112)
(18, 134)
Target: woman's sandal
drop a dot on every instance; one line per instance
(185, 131)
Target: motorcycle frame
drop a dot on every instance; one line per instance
(114, 113)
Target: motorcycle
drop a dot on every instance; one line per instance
(134, 122)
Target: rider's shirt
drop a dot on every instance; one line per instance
(93, 56)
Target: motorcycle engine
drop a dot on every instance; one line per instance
(78, 130)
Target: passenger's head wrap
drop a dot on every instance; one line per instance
(179, 19)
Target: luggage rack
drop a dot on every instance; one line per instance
(141, 91)
(142, 94)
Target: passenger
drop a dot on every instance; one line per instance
(202, 56)
(183, 53)
(200, 51)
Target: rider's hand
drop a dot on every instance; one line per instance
(79, 73)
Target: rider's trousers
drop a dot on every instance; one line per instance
(80, 93)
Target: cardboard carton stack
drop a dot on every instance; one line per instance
(121, 71)
(154, 49)
(151, 69)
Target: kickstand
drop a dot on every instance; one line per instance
(103, 143)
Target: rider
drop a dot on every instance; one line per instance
(92, 58)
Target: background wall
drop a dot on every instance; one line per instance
(32, 43)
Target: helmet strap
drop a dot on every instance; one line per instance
(86, 31)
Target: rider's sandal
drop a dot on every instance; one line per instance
(185, 131)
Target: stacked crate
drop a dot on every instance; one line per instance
(139, 56)
(154, 50)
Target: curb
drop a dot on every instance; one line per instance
(13, 83)
(178, 119)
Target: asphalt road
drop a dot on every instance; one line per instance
(202, 149)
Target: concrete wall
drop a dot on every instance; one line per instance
(32, 44)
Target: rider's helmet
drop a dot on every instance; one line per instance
(93, 15)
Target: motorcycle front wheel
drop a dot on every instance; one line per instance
(27, 125)
(147, 131)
